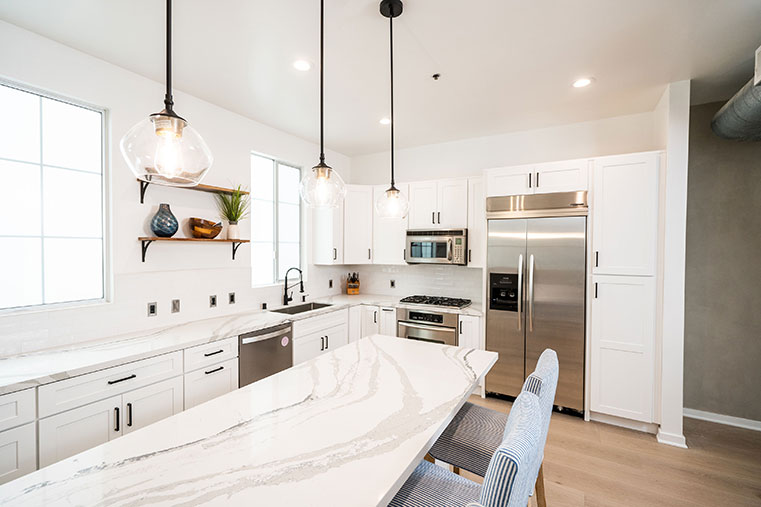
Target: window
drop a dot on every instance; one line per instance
(275, 219)
(51, 200)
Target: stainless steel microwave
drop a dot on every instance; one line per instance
(437, 247)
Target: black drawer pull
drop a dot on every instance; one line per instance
(129, 414)
(116, 418)
(112, 382)
(213, 353)
(215, 370)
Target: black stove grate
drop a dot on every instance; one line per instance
(437, 301)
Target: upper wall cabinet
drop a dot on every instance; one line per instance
(625, 214)
(439, 204)
(388, 233)
(566, 176)
(358, 225)
(328, 235)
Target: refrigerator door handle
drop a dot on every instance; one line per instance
(520, 290)
(531, 293)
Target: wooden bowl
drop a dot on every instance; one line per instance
(204, 228)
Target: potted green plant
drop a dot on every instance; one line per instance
(233, 207)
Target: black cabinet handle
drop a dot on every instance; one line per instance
(112, 382)
(439, 214)
(460, 327)
(537, 180)
(529, 180)
(433, 217)
(375, 317)
(213, 353)
(327, 342)
(470, 255)
(322, 343)
(369, 256)
(116, 418)
(129, 414)
(335, 254)
(597, 259)
(215, 370)
(595, 290)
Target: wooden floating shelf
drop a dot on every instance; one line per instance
(147, 240)
(198, 188)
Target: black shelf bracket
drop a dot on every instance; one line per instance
(143, 188)
(235, 248)
(146, 243)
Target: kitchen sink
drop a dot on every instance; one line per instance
(308, 307)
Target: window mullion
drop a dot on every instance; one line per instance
(42, 211)
(276, 222)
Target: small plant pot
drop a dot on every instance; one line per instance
(232, 231)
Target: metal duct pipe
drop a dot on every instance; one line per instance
(740, 118)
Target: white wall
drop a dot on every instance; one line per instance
(190, 272)
(612, 136)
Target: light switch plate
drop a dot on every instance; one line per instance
(175, 306)
(213, 301)
(153, 309)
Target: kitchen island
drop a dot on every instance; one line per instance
(346, 428)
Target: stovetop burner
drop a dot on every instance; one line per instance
(437, 301)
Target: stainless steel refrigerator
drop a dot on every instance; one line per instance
(536, 276)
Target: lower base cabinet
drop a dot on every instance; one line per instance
(310, 346)
(387, 321)
(469, 332)
(152, 403)
(210, 382)
(18, 452)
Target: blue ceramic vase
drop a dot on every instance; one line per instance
(164, 223)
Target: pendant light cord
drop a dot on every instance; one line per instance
(391, 52)
(322, 73)
(168, 101)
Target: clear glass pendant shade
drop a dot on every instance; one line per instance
(392, 204)
(164, 149)
(322, 187)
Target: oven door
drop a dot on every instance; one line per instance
(427, 332)
(429, 250)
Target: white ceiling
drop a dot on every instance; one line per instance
(506, 65)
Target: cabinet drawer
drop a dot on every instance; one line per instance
(310, 346)
(18, 452)
(302, 328)
(84, 389)
(210, 353)
(16, 409)
(210, 382)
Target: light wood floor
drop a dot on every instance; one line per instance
(594, 464)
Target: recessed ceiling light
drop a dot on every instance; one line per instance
(385, 121)
(302, 65)
(582, 82)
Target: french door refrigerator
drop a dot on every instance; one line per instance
(536, 282)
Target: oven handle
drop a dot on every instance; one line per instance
(428, 328)
(262, 337)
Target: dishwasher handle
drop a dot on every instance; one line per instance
(266, 336)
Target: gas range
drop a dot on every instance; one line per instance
(437, 301)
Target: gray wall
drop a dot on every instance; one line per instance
(723, 279)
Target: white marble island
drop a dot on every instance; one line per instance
(346, 428)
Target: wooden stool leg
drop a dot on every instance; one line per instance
(428, 457)
(456, 469)
(541, 500)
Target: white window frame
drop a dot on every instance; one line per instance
(105, 202)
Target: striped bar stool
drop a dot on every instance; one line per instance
(510, 475)
(475, 432)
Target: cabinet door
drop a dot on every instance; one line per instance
(625, 214)
(355, 323)
(358, 224)
(566, 176)
(69, 433)
(210, 382)
(308, 347)
(387, 321)
(623, 337)
(370, 320)
(152, 403)
(389, 234)
(18, 452)
(327, 235)
(336, 337)
(453, 204)
(509, 181)
(423, 205)
(476, 222)
(470, 332)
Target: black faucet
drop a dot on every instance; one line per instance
(286, 297)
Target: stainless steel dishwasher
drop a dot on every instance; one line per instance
(263, 353)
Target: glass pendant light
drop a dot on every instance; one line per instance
(392, 203)
(322, 187)
(163, 148)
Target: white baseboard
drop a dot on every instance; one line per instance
(738, 422)
(624, 423)
(671, 439)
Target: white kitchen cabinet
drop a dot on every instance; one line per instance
(452, 210)
(355, 323)
(566, 176)
(328, 235)
(625, 214)
(470, 332)
(71, 432)
(210, 353)
(358, 224)
(18, 452)
(623, 337)
(509, 180)
(423, 205)
(389, 234)
(476, 222)
(210, 382)
(17, 408)
(149, 404)
(387, 321)
(313, 345)
(370, 320)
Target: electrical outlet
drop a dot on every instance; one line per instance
(213, 301)
(175, 306)
(330, 284)
(153, 309)
(231, 298)
(393, 284)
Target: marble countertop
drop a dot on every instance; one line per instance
(344, 429)
(37, 368)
